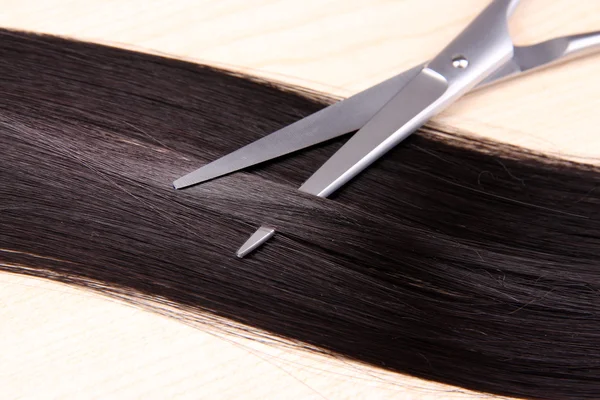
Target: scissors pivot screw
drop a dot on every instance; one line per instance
(460, 62)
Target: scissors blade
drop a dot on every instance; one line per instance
(476, 53)
(259, 237)
(418, 101)
(380, 134)
(409, 109)
(353, 113)
(338, 119)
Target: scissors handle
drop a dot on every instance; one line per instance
(541, 55)
(585, 43)
(560, 49)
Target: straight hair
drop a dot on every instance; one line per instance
(453, 258)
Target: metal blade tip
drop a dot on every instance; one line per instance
(257, 239)
(185, 181)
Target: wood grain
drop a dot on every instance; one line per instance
(58, 342)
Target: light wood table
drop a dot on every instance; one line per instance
(60, 342)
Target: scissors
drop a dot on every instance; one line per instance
(386, 114)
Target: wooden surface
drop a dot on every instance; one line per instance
(58, 342)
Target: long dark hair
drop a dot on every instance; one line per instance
(453, 258)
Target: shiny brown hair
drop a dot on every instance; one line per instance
(452, 258)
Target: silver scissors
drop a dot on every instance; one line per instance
(389, 112)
